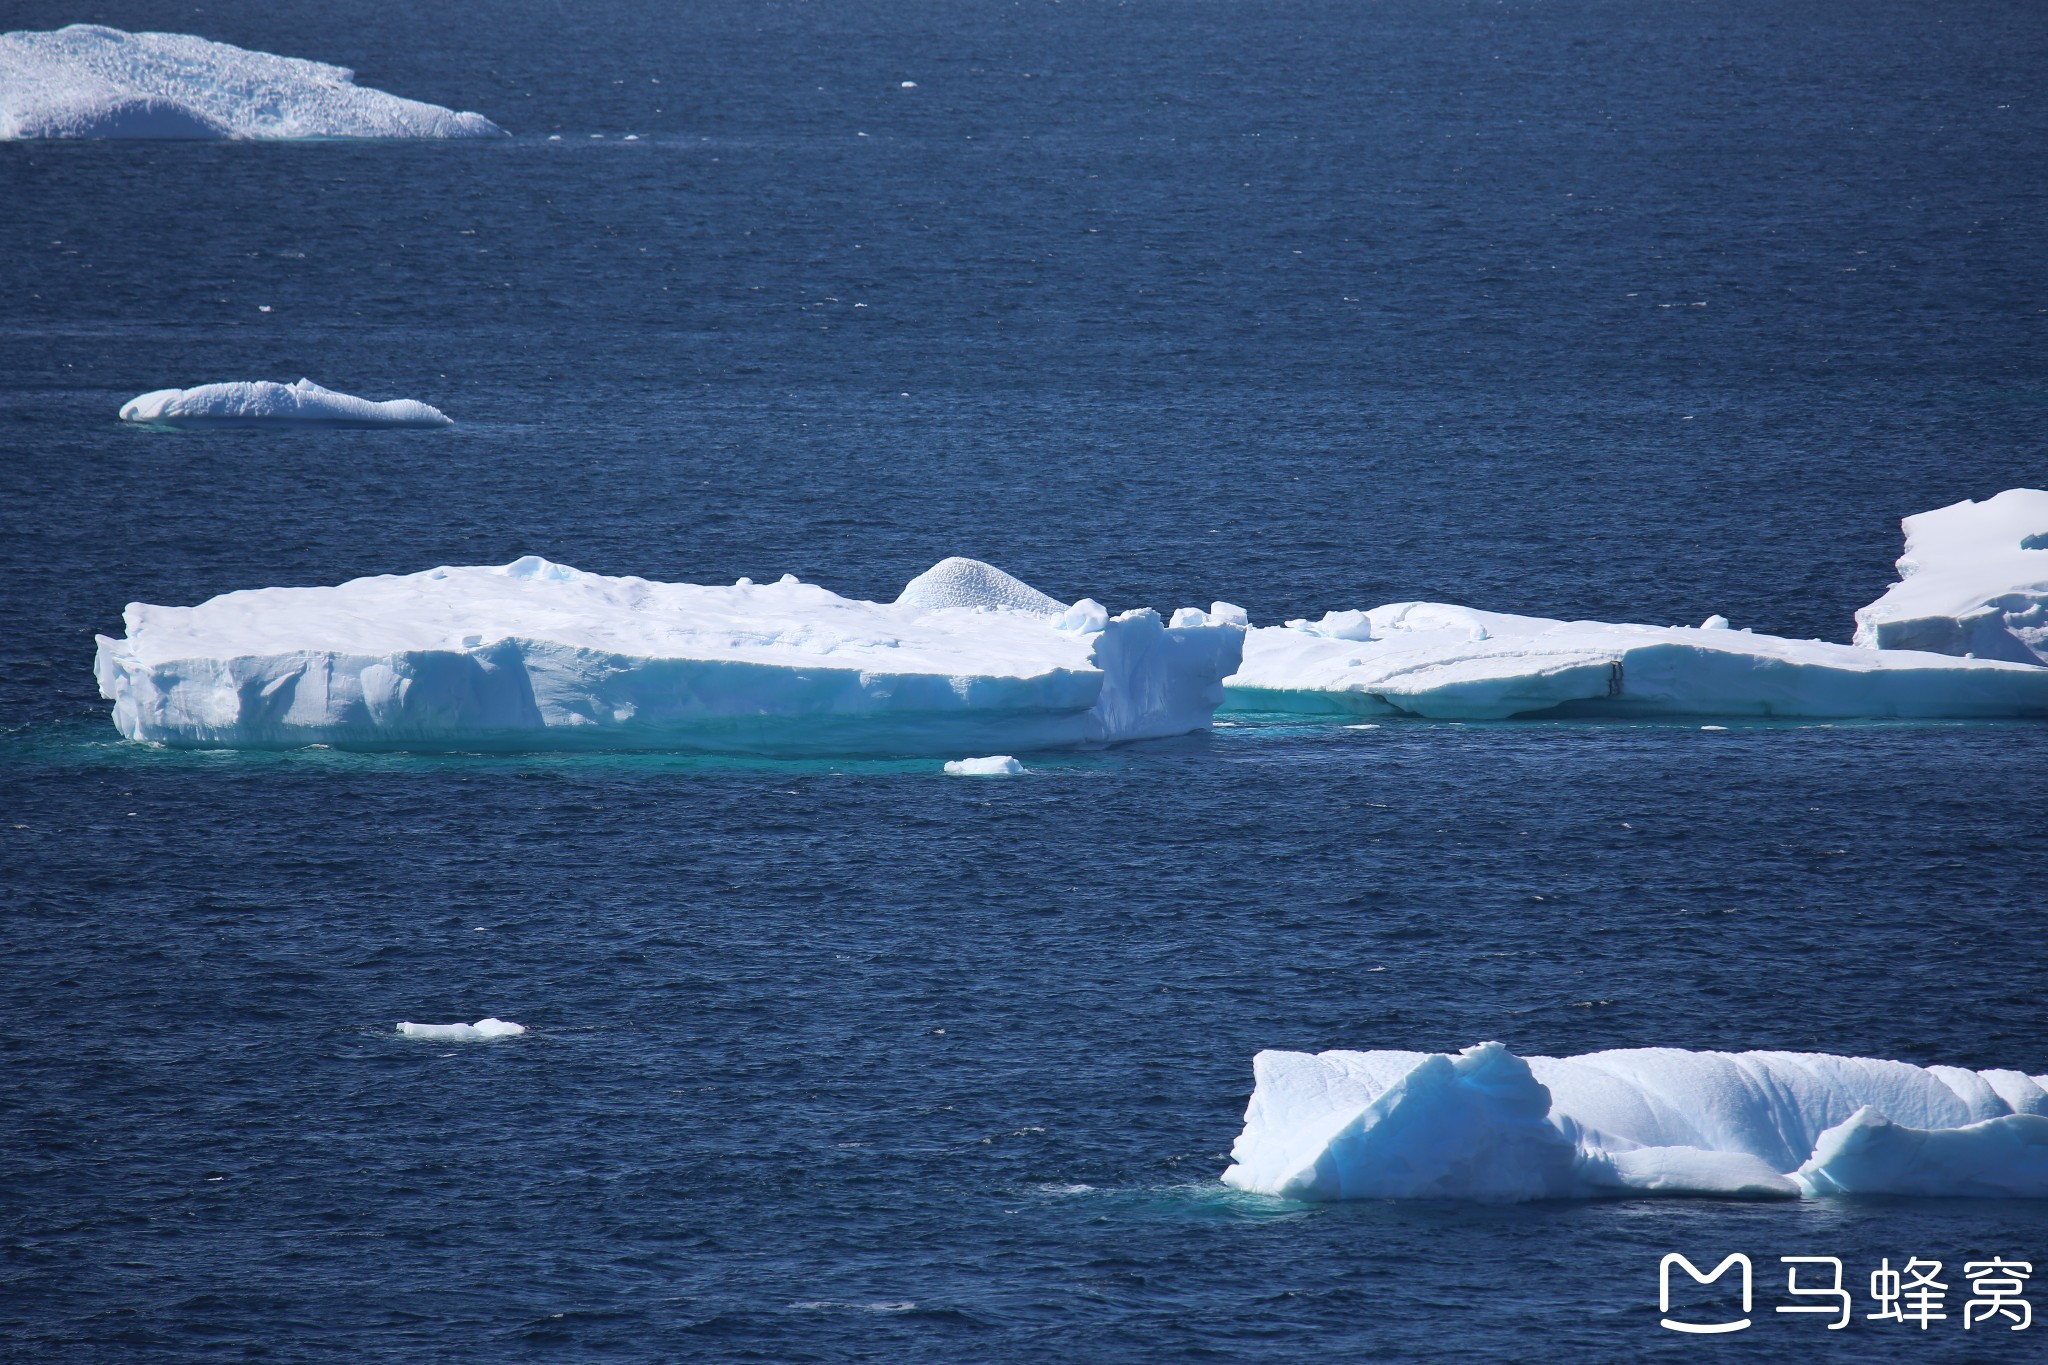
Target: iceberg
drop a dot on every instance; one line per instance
(86, 81)
(1453, 663)
(538, 655)
(481, 1031)
(1973, 581)
(262, 404)
(1489, 1126)
(996, 765)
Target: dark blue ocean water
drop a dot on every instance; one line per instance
(1605, 309)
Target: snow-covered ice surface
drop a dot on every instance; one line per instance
(995, 765)
(1454, 663)
(1488, 1125)
(537, 655)
(262, 403)
(481, 1031)
(89, 81)
(1973, 580)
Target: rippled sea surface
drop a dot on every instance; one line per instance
(1579, 308)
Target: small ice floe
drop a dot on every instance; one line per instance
(480, 1031)
(261, 403)
(1713, 727)
(995, 765)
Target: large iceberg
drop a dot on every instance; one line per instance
(1973, 580)
(1487, 1125)
(262, 403)
(1453, 663)
(1963, 636)
(537, 655)
(89, 81)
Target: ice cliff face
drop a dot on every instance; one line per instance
(88, 81)
(1973, 580)
(262, 404)
(1488, 1125)
(536, 655)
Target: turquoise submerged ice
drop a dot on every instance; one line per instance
(89, 81)
(1488, 1125)
(1964, 635)
(537, 655)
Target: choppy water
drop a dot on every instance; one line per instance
(1567, 308)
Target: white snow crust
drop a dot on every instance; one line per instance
(481, 1031)
(1973, 580)
(1487, 1125)
(263, 403)
(1453, 663)
(995, 765)
(537, 655)
(94, 82)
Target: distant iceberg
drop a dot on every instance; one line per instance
(262, 403)
(1487, 1125)
(995, 765)
(537, 655)
(1977, 583)
(1973, 580)
(86, 81)
(482, 1030)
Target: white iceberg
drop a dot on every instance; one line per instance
(1488, 1125)
(1973, 580)
(995, 765)
(481, 1031)
(1452, 663)
(262, 403)
(94, 82)
(536, 655)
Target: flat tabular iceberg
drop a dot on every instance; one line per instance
(1976, 583)
(995, 765)
(481, 1031)
(88, 81)
(1453, 663)
(1487, 1125)
(262, 403)
(536, 655)
(1973, 580)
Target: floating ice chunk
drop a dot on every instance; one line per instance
(480, 1031)
(88, 81)
(1447, 662)
(1488, 1125)
(1973, 581)
(1715, 622)
(262, 403)
(958, 582)
(996, 765)
(539, 655)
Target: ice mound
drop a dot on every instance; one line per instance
(1488, 1125)
(958, 582)
(996, 765)
(88, 81)
(536, 655)
(480, 1031)
(1453, 663)
(263, 403)
(1973, 580)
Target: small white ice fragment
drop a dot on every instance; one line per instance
(481, 1030)
(1713, 727)
(996, 765)
(1715, 622)
(908, 85)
